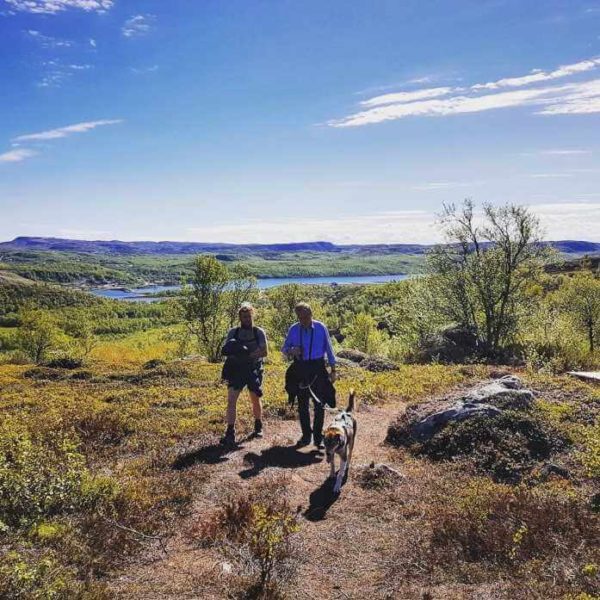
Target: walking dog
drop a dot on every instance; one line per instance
(339, 439)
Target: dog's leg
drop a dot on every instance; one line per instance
(340, 478)
(332, 468)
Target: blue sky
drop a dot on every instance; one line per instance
(279, 120)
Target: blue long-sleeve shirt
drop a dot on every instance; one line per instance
(301, 336)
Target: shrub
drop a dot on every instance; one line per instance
(40, 475)
(257, 528)
(548, 528)
(152, 364)
(41, 578)
(65, 362)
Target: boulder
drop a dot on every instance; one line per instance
(378, 364)
(425, 428)
(421, 422)
(505, 393)
(354, 355)
(345, 362)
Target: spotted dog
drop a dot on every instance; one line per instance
(339, 439)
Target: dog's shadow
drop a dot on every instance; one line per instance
(286, 457)
(321, 500)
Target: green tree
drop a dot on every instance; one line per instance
(579, 296)
(38, 334)
(481, 274)
(283, 299)
(81, 328)
(363, 335)
(210, 300)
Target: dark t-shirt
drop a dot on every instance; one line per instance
(246, 336)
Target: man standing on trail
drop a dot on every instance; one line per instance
(245, 347)
(307, 343)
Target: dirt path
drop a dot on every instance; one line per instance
(343, 536)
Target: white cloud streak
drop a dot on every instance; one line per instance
(18, 155)
(537, 75)
(138, 26)
(63, 132)
(574, 152)
(55, 6)
(403, 97)
(570, 98)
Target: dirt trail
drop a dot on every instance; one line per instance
(343, 536)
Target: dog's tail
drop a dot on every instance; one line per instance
(351, 401)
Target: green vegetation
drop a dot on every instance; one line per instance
(135, 270)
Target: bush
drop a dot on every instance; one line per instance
(548, 528)
(65, 362)
(40, 475)
(257, 527)
(30, 577)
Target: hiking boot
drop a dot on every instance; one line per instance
(303, 441)
(229, 438)
(258, 428)
(320, 445)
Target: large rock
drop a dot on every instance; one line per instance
(378, 364)
(426, 427)
(507, 392)
(355, 356)
(421, 422)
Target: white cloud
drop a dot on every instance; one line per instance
(403, 97)
(62, 132)
(570, 98)
(56, 6)
(448, 106)
(537, 75)
(138, 25)
(573, 152)
(578, 220)
(47, 41)
(93, 43)
(144, 70)
(444, 185)
(551, 175)
(17, 155)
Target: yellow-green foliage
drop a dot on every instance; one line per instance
(547, 528)
(40, 474)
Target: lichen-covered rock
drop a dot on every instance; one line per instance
(492, 424)
(355, 356)
(507, 392)
(378, 364)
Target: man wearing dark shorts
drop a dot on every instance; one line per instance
(245, 370)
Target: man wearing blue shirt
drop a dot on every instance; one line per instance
(308, 343)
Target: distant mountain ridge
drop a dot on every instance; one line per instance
(25, 243)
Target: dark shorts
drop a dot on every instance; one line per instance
(250, 378)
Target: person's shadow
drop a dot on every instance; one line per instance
(287, 457)
(212, 454)
(320, 501)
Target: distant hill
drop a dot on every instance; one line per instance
(117, 247)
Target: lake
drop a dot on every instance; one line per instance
(143, 294)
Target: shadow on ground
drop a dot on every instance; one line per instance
(321, 501)
(206, 455)
(287, 457)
